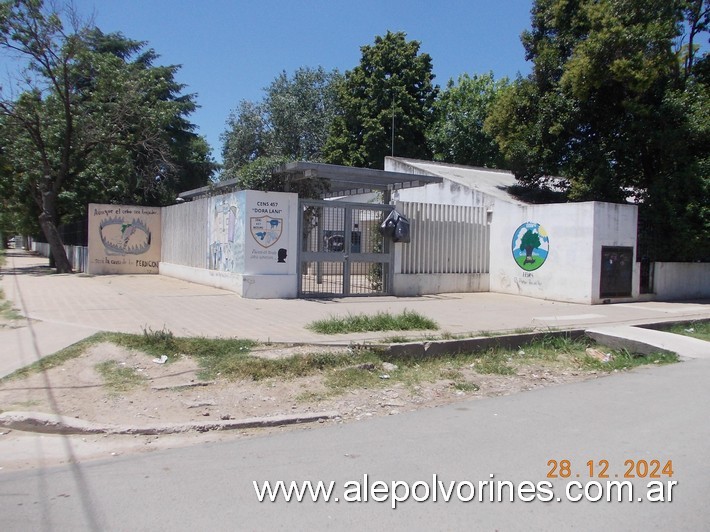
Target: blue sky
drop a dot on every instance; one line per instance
(231, 50)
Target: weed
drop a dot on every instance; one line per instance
(696, 329)
(58, 358)
(6, 310)
(247, 367)
(495, 365)
(549, 348)
(622, 360)
(118, 377)
(465, 386)
(397, 339)
(311, 397)
(353, 377)
(162, 340)
(451, 374)
(214, 355)
(382, 321)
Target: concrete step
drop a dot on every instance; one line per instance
(646, 341)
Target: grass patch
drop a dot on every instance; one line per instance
(253, 368)
(466, 386)
(6, 310)
(58, 358)
(493, 364)
(397, 339)
(696, 329)
(211, 352)
(382, 321)
(231, 359)
(623, 360)
(311, 397)
(350, 378)
(118, 377)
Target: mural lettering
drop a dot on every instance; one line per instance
(123, 239)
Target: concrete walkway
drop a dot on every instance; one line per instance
(63, 309)
(646, 341)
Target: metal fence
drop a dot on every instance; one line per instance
(445, 239)
(78, 255)
(185, 234)
(341, 252)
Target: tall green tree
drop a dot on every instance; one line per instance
(614, 104)
(300, 110)
(291, 123)
(247, 138)
(457, 134)
(393, 84)
(94, 119)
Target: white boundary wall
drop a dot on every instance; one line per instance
(681, 280)
(577, 232)
(245, 242)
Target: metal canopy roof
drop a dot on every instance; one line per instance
(347, 180)
(343, 180)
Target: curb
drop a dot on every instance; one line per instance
(56, 424)
(435, 348)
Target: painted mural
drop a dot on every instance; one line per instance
(226, 230)
(268, 216)
(266, 230)
(123, 239)
(530, 246)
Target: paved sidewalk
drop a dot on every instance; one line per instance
(66, 308)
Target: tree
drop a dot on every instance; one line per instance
(697, 17)
(529, 243)
(290, 124)
(122, 167)
(94, 121)
(246, 139)
(614, 106)
(300, 111)
(457, 135)
(391, 85)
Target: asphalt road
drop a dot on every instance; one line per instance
(654, 413)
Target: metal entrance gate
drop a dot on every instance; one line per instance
(341, 252)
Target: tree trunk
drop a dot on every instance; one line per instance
(528, 255)
(47, 222)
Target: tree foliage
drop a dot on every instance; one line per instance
(246, 139)
(457, 135)
(94, 120)
(392, 80)
(616, 104)
(290, 124)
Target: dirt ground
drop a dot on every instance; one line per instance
(173, 393)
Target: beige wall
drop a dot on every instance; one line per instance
(123, 239)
